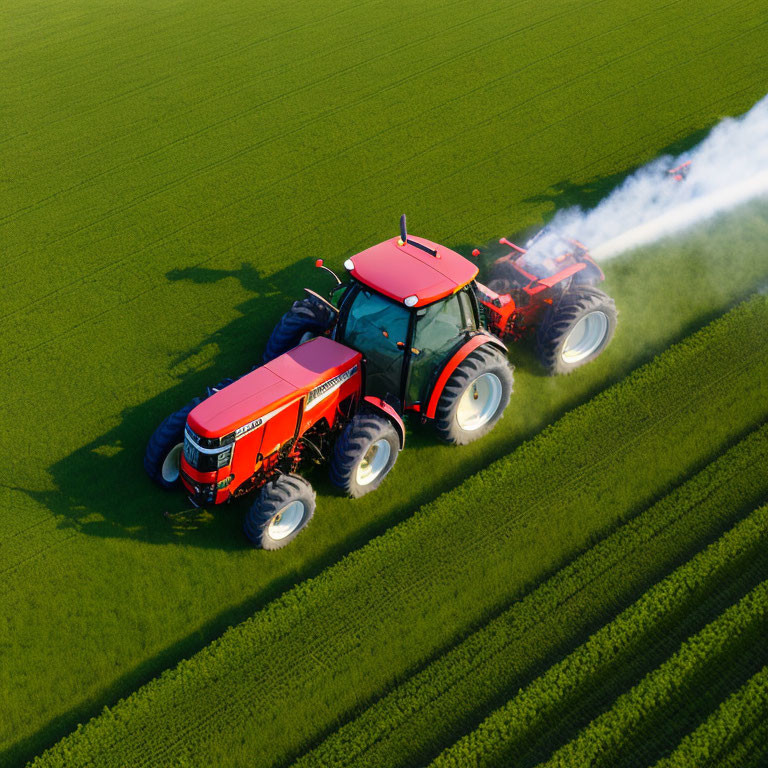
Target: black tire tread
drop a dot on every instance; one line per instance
(478, 361)
(169, 433)
(273, 496)
(363, 429)
(307, 314)
(560, 318)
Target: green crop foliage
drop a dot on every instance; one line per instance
(405, 594)
(736, 717)
(170, 170)
(750, 752)
(435, 707)
(719, 647)
(628, 634)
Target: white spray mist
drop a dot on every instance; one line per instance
(727, 168)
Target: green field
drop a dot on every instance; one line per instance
(412, 591)
(432, 708)
(169, 172)
(637, 726)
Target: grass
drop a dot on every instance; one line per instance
(412, 591)
(433, 708)
(169, 172)
(732, 640)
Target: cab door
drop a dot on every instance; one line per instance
(441, 328)
(378, 328)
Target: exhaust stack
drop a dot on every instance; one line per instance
(404, 239)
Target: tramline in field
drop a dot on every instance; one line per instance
(411, 331)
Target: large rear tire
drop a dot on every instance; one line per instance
(364, 454)
(282, 510)
(307, 317)
(475, 396)
(163, 455)
(576, 329)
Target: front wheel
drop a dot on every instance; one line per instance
(281, 512)
(364, 454)
(162, 459)
(475, 396)
(576, 329)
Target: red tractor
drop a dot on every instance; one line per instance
(407, 333)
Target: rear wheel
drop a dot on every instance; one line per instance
(307, 318)
(162, 458)
(281, 512)
(576, 329)
(475, 396)
(364, 454)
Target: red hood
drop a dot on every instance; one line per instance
(268, 388)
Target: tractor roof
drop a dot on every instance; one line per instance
(399, 271)
(271, 386)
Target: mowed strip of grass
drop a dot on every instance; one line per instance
(432, 709)
(169, 174)
(719, 652)
(334, 642)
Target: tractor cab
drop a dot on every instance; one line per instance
(409, 307)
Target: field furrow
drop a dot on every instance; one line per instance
(511, 729)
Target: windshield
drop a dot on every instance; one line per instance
(374, 326)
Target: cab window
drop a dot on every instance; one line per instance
(467, 309)
(374, 326)
(440, 328)
(372, 317)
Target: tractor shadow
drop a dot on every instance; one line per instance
(101, 489)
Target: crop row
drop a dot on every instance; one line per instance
(676, 694)
(613, 645)
(271, 685)
(431, 709)
(735, 718)
(750, 751)
(716, 679)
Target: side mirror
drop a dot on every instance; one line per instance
(319, 264)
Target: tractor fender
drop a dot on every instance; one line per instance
(478, 340)
(386, 410)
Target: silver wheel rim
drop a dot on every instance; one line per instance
(479, 403)
(172, 464)
(286, 521)
(374, 462)
(585, 337)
